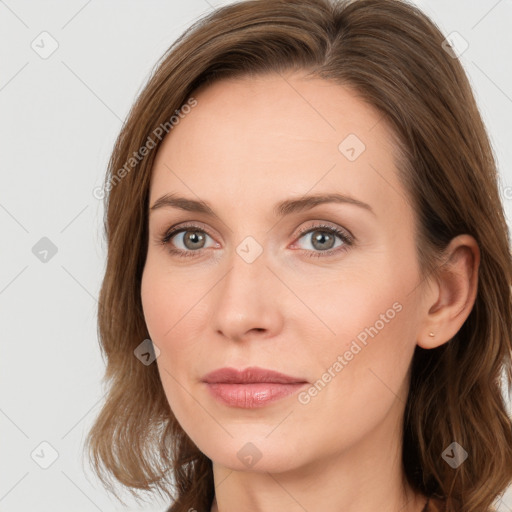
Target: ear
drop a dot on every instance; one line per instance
(451, 293)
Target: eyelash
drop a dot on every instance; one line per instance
(347, 240)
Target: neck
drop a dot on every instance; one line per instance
(366, 477)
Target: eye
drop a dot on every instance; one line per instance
(323, 240)
(193, 238)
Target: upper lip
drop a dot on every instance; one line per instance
(249, 375)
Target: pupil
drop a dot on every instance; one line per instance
(322, 236)
(194, 237)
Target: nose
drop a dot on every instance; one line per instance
(247, 302)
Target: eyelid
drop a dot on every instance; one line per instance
(338, 231)
(329, 225)
(176, 228)
(199, 224)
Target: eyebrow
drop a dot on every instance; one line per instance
(286, 207)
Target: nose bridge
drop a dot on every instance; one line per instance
(244, 299)
(248, 273)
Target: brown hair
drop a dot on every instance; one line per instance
(392, 55)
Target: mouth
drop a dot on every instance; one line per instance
(251, 388)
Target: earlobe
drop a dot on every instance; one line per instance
(457, 286)
(432, 339)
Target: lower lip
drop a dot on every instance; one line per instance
(252, 395)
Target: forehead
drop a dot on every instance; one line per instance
(272, 136)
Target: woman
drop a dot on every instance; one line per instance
(249, 367)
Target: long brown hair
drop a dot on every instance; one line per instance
(393, 56)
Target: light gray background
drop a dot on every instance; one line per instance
(59, 119)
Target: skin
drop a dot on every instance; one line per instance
(247, 145)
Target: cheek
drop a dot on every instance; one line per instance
(156, 303)
(171, 310)
(371, 316)
(372, 333)
(361, 374)
(174, 313)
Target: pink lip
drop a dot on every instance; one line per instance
(252, 387)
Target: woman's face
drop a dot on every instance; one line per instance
(266, 281)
